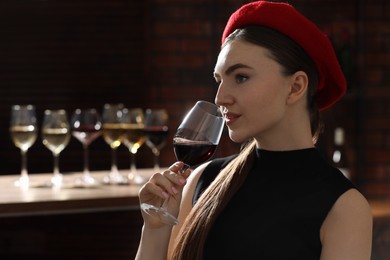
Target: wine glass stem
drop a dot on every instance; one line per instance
(114, 167)
(156, 153)
(164, 206)
(56, 170)
(86, 160)
(184, 168)
(133, 167)
(23, 172)
(156, 163)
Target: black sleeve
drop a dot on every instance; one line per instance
(209, 174)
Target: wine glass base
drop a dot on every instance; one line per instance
(86, 181)
(137, 179)
(22, 182)
(160, 213)
(115, 178)
(56, 181)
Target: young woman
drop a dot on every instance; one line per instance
(278, 198)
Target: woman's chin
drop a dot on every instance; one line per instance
(235, 137)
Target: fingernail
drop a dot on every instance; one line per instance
(182, 180)
(165, 195)
(174, 190)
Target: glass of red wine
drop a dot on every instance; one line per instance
(194, 142)
(86, 126)
(156, 132)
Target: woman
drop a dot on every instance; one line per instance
(278, 198)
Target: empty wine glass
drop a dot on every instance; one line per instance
(194, 142)
(112, 134)
(23, 130)
(133, 139)
(156, 130)
(86, 125)
(55, 136)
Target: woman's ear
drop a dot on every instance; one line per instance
(298, 87)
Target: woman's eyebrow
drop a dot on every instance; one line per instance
(234, 67)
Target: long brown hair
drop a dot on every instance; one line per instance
(292, 58)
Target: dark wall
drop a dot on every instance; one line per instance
(69, 54)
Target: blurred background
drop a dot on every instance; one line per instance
(58, 54)
(160, 54)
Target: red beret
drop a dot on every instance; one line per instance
(286, 19)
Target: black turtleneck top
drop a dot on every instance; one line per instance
(278, 211)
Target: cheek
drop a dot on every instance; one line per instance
(265, 109)
(264, 101)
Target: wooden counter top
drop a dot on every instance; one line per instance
(15, 201)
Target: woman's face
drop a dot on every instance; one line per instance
(252, 92)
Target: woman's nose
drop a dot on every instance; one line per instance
(223, 97)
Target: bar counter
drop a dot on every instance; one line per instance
(101, 222)
(17, 201)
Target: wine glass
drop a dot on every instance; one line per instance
(133, 139)
(112, 134)
(194, 142)
(86, 125)
(156, 130)
(23, 130)
(55, 136)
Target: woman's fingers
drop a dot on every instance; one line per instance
(167, 183)
(152, 189)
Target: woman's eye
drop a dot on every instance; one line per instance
(241, 78)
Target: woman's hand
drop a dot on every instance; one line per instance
(161, 186)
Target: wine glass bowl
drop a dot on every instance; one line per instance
(133, 139)
(193, 153)
(55, 136)
(112, 135)
(86, 125)
(156, 131)
(197, 137)
(194, 142)
(24, 132)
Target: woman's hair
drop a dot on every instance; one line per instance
(292, 58)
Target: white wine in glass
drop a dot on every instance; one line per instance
(133, 139)
(86, 126)
(194, 142)
(113, 134)
(55, 136)
(24, 131)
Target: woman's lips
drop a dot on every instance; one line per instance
(230, 118)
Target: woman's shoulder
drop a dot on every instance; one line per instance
(350, 216)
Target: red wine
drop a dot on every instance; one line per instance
(86, 134)
(194, 153)
(156, 136)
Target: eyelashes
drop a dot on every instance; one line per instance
(240, 78)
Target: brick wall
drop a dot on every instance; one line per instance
(374, 77)
(360, 31)
(183, 43)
